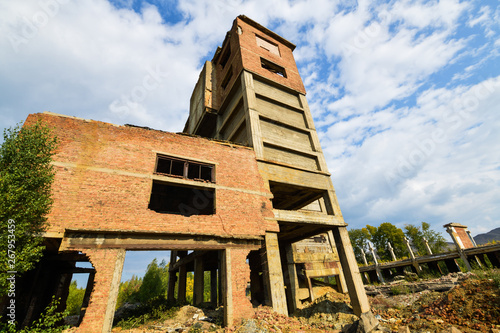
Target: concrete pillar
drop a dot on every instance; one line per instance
(391, 250)
(412, 256)
(213, 287)
(427, 247)
(293, 281)
(355, 285)
(199, 279)
(377, 266)
(181, 291)
(276, 284)
(172, 277)
(340, 279)
(227, 287)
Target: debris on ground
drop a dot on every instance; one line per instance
(470, 305)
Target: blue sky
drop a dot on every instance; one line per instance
(405, 94)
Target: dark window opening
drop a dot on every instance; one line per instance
(185, 169)
(225, 57)
(272, 67)
(227, 78)
(187, 201)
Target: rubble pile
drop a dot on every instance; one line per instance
(471, 306)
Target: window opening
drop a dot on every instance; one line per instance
(272, 67)
(227, 78)
(186, 169)
(187, 201)
(225, 57)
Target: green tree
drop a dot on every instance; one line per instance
(153, 283)
(75, 299)
(416, 235)
(359, 240)
(385, 233)
(129, 291)
(26, 176)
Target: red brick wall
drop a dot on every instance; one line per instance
(104, 261)
(245, 53)
(251, 54)
(87, 198)
(467, 243)
(240, 271)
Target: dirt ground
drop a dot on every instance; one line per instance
(471, 306)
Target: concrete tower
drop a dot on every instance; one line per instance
(251, 93)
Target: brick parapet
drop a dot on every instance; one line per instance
(104, 179)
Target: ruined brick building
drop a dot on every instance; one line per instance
(239, 193)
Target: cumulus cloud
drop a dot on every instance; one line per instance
(403, 93)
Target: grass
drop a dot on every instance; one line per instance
(156, 309)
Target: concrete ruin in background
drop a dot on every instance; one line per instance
(252, 202)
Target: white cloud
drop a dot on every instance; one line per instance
(381, 78)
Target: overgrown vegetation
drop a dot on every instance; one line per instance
(75, 299)
(155, 309)
(26, 177)
(50, 321)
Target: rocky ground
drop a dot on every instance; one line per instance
(454, 303)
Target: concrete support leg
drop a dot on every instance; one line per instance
(227, 288)
(340, 279)
(181, 291)
(276, 283)
(355, 285)
(213, 287)
(108, 264)
(199, 279)
(172, 277)
(293, 281)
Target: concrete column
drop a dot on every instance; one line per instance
(364, 257)
(355, 285)
(391, 250)
(199, 277)
(377, 266)
(427, 247)
(293, 290)
(181, 291)
(340, 279)
(412, 256)
(275, 276)
(227, 287)
(172, 277)
(213, 287)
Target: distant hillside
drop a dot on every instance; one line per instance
(488, 237)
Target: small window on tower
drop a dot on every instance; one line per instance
(267, 45)
(272, 67)
(227, 78)
(225, 56)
